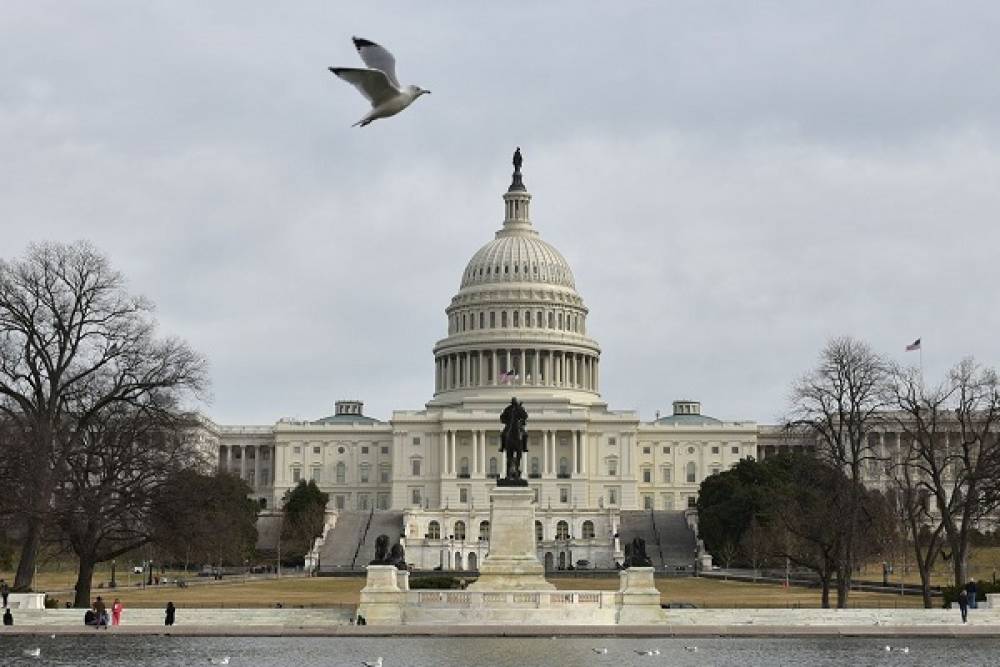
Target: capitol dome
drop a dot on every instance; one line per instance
(517, 320)
(519, 257)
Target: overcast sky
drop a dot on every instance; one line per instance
(732, 183)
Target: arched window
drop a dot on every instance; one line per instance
(341, 473)
(551, 316)
(434, 530)
(534, 466)
(481, 320)
(538, 319)
(564, 467)
(538, 531)
(692, 472)
(517, 318)
(459, 530)
(463, 466)
(527, 318)
(458, 560)
(562, 531)
(588, 530)
(484, 530)
(493, 467)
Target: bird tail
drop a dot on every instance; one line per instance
(364, 121)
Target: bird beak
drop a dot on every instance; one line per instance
(428, 92)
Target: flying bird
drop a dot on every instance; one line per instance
(378, 82)
(655, 651)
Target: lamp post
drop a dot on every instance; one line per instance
(114, 584)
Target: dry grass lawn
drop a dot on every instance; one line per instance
(331, 591)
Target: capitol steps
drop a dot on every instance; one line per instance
(342, 541)
(670, 543)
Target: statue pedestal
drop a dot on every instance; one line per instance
(512, 564)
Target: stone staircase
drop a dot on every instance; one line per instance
(350, 544)
(670, 543)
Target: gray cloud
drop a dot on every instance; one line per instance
(732, 184)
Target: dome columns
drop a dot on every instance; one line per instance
(531, 366)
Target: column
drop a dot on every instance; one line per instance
(574, 458)
(475, 454)
(482, 369)
(536, 369)
(444, 454)
(597, 373)
(493, 376)
(243, 462)
(482, 454)
(452, 469)
(524, 366)
(256, 466)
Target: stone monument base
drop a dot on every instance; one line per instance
(512, 564)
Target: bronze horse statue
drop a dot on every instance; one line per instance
(514, 442)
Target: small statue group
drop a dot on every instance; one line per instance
(396, 556)
(635, 554)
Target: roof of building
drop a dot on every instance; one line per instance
(687, 420)
(347, 419)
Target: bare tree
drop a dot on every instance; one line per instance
(952, 456)
(839, 402)
(107, 503)
(72, 343)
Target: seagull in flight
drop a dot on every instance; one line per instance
(378, 82)
(655, 651)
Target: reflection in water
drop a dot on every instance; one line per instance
(111, 650)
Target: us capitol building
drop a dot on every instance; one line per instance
(516, 327)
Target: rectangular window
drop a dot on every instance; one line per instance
(363, 501)
(383, 475)
(736, 450)
(645, 450)
(563, 495)
(612, 442)
(463, 495)
(316, 475)
(296, 449)
(265, 455)
(364, 450)
(715, 449)
(692, 502)
(647, 475)
(647, 502)
(364, 474)
(315, 450)
(339, 502)
(716, 470)
(666, 475)
(612, 496)
(416, 467)
(612, 468)
(415, 498)
(385, 450)
(296, 475)
(666, 450)
(667, 499)
(383, 501)
(493, 320)
(416, 440)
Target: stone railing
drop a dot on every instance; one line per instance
(512, 599)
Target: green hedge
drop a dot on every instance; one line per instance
(435, 581)
(950, 594)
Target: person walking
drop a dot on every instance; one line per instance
(169, 618)
(101, 610)
(8, 618)
(116, 612)
(971, 588)
(4, 591)
(963, 604)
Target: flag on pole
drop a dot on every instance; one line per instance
(507, 376)
(915, 345)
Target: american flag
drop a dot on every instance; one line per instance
(508, 376)
(915, 345)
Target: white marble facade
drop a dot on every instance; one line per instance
(516, 327)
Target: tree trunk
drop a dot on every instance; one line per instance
(29, 554)
(84, 579)
(843, 586)
(960, 560)
(825, 595)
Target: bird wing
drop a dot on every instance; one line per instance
(377, 57)
(371, 83)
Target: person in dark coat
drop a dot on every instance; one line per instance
(169, 618)
(8, 618)
(963, 604)
(971, 588)
(90, 618)
(4, 591)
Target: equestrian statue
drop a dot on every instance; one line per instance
(514, 442)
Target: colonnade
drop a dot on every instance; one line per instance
(255, 469)
(478, 464)
(532, 368)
